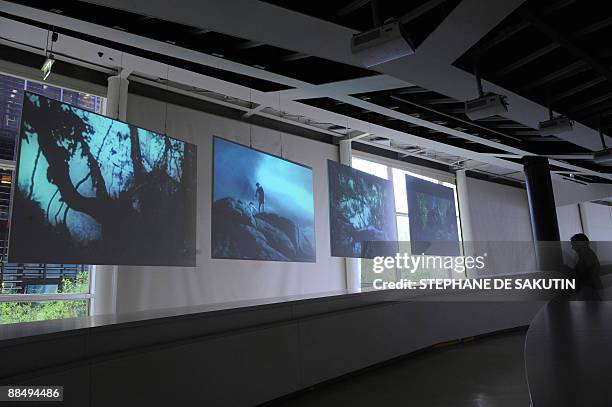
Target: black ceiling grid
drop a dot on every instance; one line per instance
(497, 129)
(586, 164)
(557, 50)
(255, 83)
(396, 124)
(306, 68)
(449, 112)
(420, 17)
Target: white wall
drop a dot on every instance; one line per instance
(215, 280)
(570, 223)
(569, 192)
(597, 221)
(498, 213)
(568, 217)
(500, 226)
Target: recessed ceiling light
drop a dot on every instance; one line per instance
(214, 54)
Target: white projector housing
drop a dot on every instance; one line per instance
(603, 156)
(381, 44)
(488, 105)
(555, 126)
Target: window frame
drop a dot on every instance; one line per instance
(64, 84)
(441, 177)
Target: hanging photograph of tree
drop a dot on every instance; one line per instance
(362, 213)
(92, 190)
(433, 218)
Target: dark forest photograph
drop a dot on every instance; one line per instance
(433, 218)
(92, 190)
(362, 213)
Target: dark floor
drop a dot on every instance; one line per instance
(488, 372)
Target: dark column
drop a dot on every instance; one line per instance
(544, 225)
(541, 197)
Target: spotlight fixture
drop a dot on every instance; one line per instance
(46, 68)
(487, 104)
(50, 59)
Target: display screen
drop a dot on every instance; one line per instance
(92, 190)
(263, 206)
(362, 213)
(433, 218)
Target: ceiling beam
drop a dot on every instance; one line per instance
(442, 101)
(551, 47)
(577, 89)
(526, 59)
(565, 72)
(590, 102)
(405, 153)
(515, 29)
(566, 43)
(357, 135)
(253, 111)
(294, 57)
(510, 126)
(151, 68)
(249, 45)
(593, 112)
(502, 36)
(454, 118)
(420, 10)
(352, 6)
(411, 90)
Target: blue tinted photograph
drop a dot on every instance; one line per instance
(263, 206)
(362, 213)
(92, 190)
(433, 218)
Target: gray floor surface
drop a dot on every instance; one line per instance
(487, 372)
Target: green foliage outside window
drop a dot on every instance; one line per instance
(14, 311)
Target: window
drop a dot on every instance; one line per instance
(32, 292)
(398, 177)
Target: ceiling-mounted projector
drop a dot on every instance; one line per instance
(603, 156)
(381, 44)
(555, 126)
(488, 105)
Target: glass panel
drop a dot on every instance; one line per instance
(43, 279)
(13, 312)
(35, 278)
(399, 190)
(403, 228)
(370, 167)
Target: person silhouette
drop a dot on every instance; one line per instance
(260, 196)
(588, 279)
